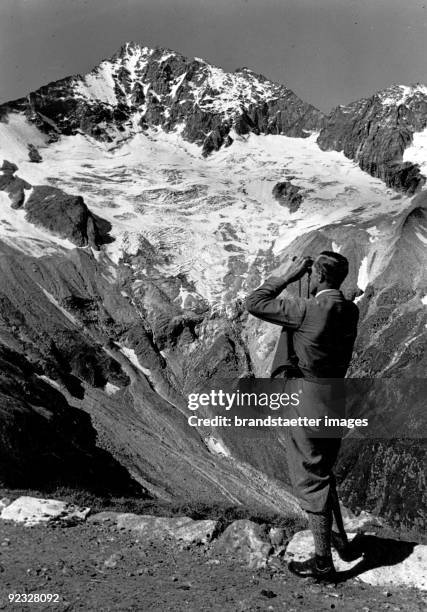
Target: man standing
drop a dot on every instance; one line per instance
(315, 344)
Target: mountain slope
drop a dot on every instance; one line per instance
(376, 132)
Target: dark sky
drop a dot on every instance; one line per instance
(328, 51)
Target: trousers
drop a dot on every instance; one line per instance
(311, 454)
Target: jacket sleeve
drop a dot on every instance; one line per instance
(263, 303)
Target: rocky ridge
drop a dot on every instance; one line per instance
(141, 87)
(375, 132)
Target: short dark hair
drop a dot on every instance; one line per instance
(333, 266)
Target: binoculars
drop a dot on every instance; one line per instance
(310, 262)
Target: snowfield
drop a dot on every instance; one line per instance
(200, 215)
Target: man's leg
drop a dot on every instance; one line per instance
(310, 462)
(320, 524)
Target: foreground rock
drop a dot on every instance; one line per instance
(249, 542)
(33, 511)
(183, 528)
(246, 541)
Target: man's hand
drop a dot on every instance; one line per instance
(297, 269)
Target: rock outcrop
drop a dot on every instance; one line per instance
(52, 209)
(375, 132)
(14, 186)
(33, 154)
(288, 195)
(66, 216)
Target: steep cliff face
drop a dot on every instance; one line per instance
(128, 294)
(376, 131)
(44, 442)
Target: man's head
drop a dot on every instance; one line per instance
(329, 271)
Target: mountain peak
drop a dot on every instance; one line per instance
(141, 87)
(400, 94)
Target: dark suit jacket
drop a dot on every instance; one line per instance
(318, 333)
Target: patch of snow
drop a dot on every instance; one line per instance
(51, 382)
(217, 446)
(132, 356)
(396, 95)
(186, 296)
(66, 314)
(99, 84)
(111, 389)
(421, 237)
(363, 276)
(417, 152)
(374, 233)
(16, 133)
(177, 84)
(424, 300)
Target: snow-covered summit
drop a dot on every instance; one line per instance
(141, 87)
(402, 94)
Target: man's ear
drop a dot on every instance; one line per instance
(320, 277)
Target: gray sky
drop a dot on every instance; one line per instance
(328, 51)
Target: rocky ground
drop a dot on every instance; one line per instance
(97, 567)
(116, 561)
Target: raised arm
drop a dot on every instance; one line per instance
(287, 311)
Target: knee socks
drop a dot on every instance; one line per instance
(320, 524)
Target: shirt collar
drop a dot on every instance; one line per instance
(324, 290)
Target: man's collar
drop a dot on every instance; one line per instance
(324, 290)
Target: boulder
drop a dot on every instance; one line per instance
(385, 562)
(33, 511)
(247, 541)
(33, 154)
(181, 528)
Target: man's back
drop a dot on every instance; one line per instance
(323, 329)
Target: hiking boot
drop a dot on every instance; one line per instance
(320, 568)
(347, 551)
